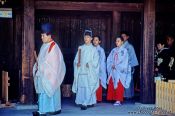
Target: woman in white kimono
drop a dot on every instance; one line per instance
(102, 62)
(119, 72)
(86, 73)
(48, 72)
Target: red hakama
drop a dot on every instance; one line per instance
(115, 94)
(99, 93)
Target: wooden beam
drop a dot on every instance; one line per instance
(147, 61)
(27, 52)
(88, 6)
(165, 8)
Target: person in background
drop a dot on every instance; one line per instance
(119, 72)
(48, 72)
(171, 45)
(102, 62)
(129, 92)
(162, 59)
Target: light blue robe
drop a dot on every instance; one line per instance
(102, 61)
(48, 78)
(119, 58)
(86, 80)
(129, 92)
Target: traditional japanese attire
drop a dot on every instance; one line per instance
(48, 76)
(120, 77)
(102, 73)
(162, 62)
(129, 92)
(171, 74)
(86, 79)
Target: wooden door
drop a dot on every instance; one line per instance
(10, 55)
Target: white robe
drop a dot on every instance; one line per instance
(132, 55)
(129, 92)
(86, 80)
(48, 77)
(102, 61)
(119, 57)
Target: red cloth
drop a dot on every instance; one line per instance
(115, 94)
(99, 93)
(51, 46)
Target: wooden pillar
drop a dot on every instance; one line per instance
(27, 52)
(116, 25)
(147, 61)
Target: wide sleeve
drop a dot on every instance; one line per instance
(76, 70)
(94, 61)
(53, 70)
(133, 58)
(94, 69)
(36, 79)
(103, 75)
(122, 61)
(125, 68)
(110, 62)
(103, 60)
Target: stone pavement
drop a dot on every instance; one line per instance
(100, 109)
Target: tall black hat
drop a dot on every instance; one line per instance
(88, 31)
(47, 28)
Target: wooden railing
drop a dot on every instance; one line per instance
(165, 96)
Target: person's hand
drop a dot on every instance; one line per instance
(36, 65)
(113, 67)
(132, 70)
(87, 65)
(36, 68)
(36, 71)
(78, 64)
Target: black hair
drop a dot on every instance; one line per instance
(170, 36)
(99, 38)
(49, 34)
(125, 32)
(121, 38)
(161, 41)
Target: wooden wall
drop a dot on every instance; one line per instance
(69, 29)
(10, 53)
(165, 24)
